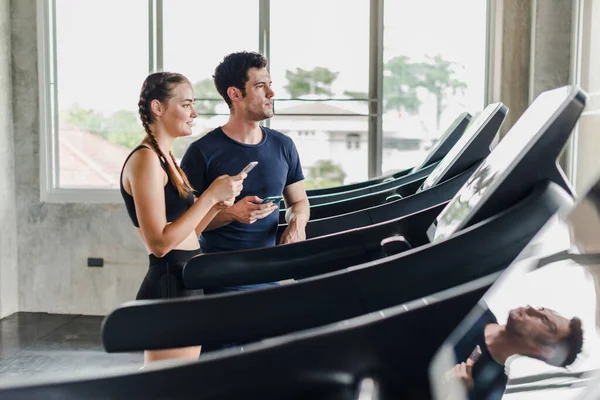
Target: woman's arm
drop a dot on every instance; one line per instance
(146, 178)
(208, 219)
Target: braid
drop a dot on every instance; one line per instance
(181, 172)
(158, 86)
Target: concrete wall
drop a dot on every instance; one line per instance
(514, 84)
(551, 53)
(588, 162)
(8, 222)
(55, 240)
(536, 51)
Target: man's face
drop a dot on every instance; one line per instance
(539, 325)
(258, 102)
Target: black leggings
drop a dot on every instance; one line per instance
(164, 280)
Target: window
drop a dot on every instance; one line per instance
(196, 41)
(93, 84)
(317, 80)
(353, 141)
(90, 78)
(429, 78)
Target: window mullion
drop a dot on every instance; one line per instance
(55, 163)
(155, 36)
(264, 36)
(159, 36)
(150, 36)
(375, 133)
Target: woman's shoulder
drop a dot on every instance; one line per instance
(143, 158)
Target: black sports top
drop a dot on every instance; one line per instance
(175, 205)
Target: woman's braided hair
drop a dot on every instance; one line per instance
(159, 86)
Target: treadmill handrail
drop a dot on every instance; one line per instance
(273, 263)
(302, 259)
(357, 203)
(253, 315)
(338, 356)
(394, 183)
(461, 122)
(382, 212)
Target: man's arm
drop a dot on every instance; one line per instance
(297, 213)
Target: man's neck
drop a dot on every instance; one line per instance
(500, 343)
(244, 131)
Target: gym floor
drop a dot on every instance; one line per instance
(39, 343)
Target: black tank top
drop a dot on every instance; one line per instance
(175, 204)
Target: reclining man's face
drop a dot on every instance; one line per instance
(541, 328)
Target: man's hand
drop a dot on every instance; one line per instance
(462, 371)
(247, 211)
(295, 232)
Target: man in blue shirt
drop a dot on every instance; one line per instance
(244, 82)
(539, 333)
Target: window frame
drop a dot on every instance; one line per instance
(49, 154)
(50, 191)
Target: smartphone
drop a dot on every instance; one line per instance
(475, 354)
(250, 166)
(272, 199)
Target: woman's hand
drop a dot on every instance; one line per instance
(226, 188)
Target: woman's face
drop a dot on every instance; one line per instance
(178, 116)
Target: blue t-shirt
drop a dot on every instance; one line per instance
(489, 377)
(216, 154)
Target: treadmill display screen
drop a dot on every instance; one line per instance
(534, 333)
(502, 159)
(440, 141)
(472, 130)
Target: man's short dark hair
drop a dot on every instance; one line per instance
(574, 341)
(233, 71)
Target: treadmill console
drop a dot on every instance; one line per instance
(445, 136)
(546, 108)
(455, 152)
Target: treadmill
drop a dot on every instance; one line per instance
(439, 150)
(473, 146)
(347, 248)
(403, 352)
(515, 191)
(559, 275)
(446, 179)
(592, 392)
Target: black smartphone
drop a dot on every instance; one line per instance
(272, 199)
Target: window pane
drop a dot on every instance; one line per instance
(197, 35)
(100, 70)
(311, 59)
(434, 69)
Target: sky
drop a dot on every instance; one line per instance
(103, 54)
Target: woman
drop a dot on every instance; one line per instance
(159, 198)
